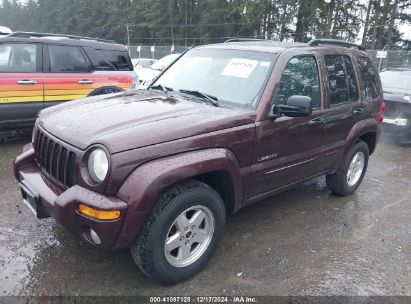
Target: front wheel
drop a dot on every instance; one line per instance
(349, 175)
(181, 233)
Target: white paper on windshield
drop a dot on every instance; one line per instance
(240, 68)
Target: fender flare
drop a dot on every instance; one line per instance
(144, 185)
(359, 129)
(105, 90)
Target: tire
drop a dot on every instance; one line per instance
(339, 182)
(149, 249)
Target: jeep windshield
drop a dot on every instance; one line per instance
(235, 78)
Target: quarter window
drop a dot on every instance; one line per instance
(369, 78)
(117, 59)
(300, 77)
(18, 58)
(66, 59)
(104, 60)
(341, 79)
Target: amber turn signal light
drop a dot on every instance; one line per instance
(98, 214)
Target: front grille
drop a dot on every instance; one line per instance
(55, 160)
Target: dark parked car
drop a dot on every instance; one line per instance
(38, 70)
(396, 84)
(226, 125)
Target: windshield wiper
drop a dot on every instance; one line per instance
(161, 87)
(210, 99)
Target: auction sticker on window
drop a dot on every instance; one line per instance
(241, 68)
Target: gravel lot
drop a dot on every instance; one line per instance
(302, 242)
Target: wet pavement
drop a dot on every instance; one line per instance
(302, 242)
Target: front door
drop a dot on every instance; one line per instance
(288, 148)
(21, 84)
(68, 75)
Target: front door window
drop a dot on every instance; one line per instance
(300, 77)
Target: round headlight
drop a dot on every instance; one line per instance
(98, 165)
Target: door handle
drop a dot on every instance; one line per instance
(26, 81)
(358, 111)
(86, 81)
(316, 122)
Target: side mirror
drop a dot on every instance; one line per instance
(296, 106)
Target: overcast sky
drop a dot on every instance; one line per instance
(404, 28)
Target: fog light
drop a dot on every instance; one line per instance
(98, 214)
(94, 237)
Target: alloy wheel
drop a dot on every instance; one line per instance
(189, 236)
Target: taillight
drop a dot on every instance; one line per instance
(382, 109)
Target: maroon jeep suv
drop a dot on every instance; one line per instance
(226, 125)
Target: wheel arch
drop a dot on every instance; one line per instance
(367, 130)
(105, 90)
(218, 168)
(222, 183)
(370, 138)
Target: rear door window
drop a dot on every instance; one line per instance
(300, 77)
(66, 59)
(341, 79)
(351, 79)
(369, 78)
(18, 58)
(104, 60)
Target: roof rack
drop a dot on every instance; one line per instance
(317, 42)
(243, 39)
(45, 35)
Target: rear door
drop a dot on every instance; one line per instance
(21, 84)
(288, 149)
(68, 75)
(344, 105)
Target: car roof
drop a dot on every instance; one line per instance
(66, 41)
(271, 46)
(142, 59)
(267, 46)
(4, 30)
(398, 69)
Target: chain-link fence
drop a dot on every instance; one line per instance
(393, 57)
(154, 52)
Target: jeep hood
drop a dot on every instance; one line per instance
(132, 120)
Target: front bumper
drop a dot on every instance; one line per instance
(62, 204)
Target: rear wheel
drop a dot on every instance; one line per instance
(349, 175)
(181, 233)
